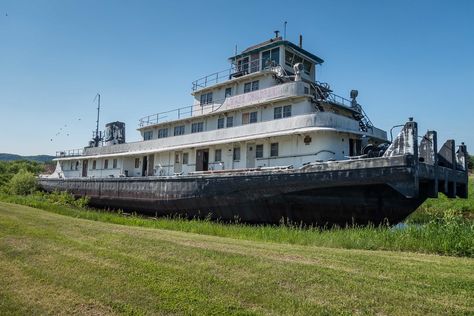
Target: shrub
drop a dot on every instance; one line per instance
(22, 183)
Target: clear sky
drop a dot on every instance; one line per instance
(406, 58)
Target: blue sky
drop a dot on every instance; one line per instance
(406, 58)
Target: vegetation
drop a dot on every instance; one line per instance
(13, 157)
(9, 169)
(52, 264)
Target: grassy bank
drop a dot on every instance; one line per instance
(448, 234)
(62, 265)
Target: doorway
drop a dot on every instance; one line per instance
(251, 156)
(151, 161)
(144, 165)
(178, 162)
(84, 168)
(202, 159)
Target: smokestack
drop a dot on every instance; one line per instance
(301, 41)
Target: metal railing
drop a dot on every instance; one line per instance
(70, 153)
(236, 70)
(180, 113)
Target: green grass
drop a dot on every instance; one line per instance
(447, 235)
(53, 264)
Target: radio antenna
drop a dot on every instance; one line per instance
(284, 30)
(97, 138)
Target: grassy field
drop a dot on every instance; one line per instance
(55, 264)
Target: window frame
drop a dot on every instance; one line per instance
(273, 147)
(259, 151)
(236, 154)
(231, 120)
(148, 135)
(115, 163)
(163, 132)
(179, 130)
(220, 122)
(286, 111)
(197, 127)
(185, 158)
(277, 112)
(137, 163)
(218, 155)
(106, 164)
(228, 92)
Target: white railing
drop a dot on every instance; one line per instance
(70, 153)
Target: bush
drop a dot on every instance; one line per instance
(22, 183)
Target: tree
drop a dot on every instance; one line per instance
(22, 183)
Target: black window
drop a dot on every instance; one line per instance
(197, 127)
(220, 123)
(259, 151)
(206, 98)
(228, 92)
(277, 112)
(287, 111)
(106, 164)
(236, 153)
(162, 133)
(137, 162)
(179, 130)
(247, 87)
(114, 164)
(307, 66)
(253, 117)
(230, 121)
(254, 85)
(94, 164)
(274, 150)
(218, 155)
(271, 58)
(148, 135)
(77, 165)
(185, 158)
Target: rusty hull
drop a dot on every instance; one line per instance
(364, 190)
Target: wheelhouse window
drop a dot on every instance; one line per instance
(292, 59)
(137, 162)
(270, 58)
(179, 130)
(230, 121)
(106, 164)
(236, 156)
(243, 65)
(218, 155)
(148, 135)
(259, 151)
(228, 92)
(220, 123)
(162, 133)
(274, 150)
(206, 98)
(197, 127)
(114, 164)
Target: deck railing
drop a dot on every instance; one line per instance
(236, 70)
(70, 153)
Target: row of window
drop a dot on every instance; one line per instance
(206, 98)
(247, 118)
(106, 164)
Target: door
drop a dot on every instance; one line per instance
(251, 156)
(151, 162)
(202, 160)
(84, 168)
(178, 162)
(144, 165)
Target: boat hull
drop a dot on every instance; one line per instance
(344, 192)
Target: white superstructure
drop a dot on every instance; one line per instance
(267, 110)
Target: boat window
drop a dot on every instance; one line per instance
(245, 118)
(94, 164)
(197, 127)
(230, 121)
(162, 133)
(114, 164)
(228, 92)
(259, 151)
(307, 67)
(71, 165)
(270, 58)
(185, 158)
(179, 130)
(254, 85)
(274, 150)
(289, 58)
(218, 155)
(247, 87)
(277, 112)
(106, 164)
(253, 117)
(243, 64)
(206, 98)
(137, 162)
(220, 123)
(77, 165)
(287, 111)
(236, 153)
(148, 135)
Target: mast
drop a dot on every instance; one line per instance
(97, 137)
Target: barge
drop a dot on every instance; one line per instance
(265, 142)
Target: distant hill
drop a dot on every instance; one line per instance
(38, 158)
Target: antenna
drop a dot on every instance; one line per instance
(284, 30)
(97, 137)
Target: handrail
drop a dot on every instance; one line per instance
(70, 153)
(236, 70)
